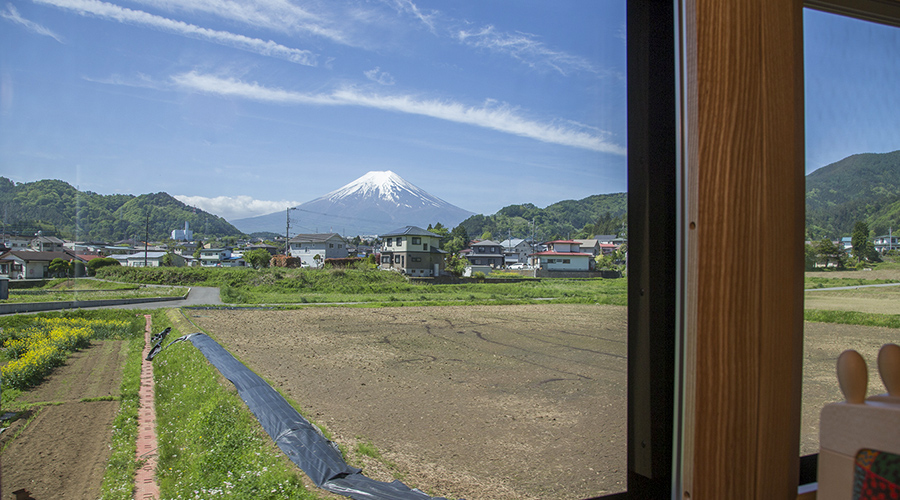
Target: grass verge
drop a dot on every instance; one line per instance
(118, 480)
(852, 318)
(209, 442)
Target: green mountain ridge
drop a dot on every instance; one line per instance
(862, 187)
(56, 208)
(596, 214)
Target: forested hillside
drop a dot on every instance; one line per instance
(58, 209)
(597, 214)
(863, 187)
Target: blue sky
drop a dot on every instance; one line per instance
(247, 107)
(267, 103)
(852, 87)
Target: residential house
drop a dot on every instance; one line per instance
(485, 253)
(516, 251)
(262, 246)
(564, 255)
(846, 243)
(28, 264)
(593, 246)
(608, 239)
(326, 245)
(47, 244)
(153, 259)
(413, 251)
(886, 243)
(219, 257)
(14, 242)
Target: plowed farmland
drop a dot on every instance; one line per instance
(466, 402)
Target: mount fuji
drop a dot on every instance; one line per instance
(375, 203)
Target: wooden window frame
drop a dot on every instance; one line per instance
(716, 155)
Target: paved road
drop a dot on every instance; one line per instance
(200, 295)
(850, 287)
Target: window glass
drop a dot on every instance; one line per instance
(853, 179)
(242, 109)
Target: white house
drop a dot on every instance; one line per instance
(219, 257)
(413, 251)
(18, 264)
(47, 244)
(326, 245)
(14, 242)
(886, 243)
(154, 259)
(564, 255)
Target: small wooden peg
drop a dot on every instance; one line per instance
(853, 376)
(889, 368)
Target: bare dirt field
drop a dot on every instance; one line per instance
(62, 452)
(822, 344)
(469, 402)
(878, 300)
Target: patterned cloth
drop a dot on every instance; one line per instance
(876, 476)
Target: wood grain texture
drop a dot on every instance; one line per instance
(747, 345)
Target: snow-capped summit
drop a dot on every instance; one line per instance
(384, 185)
(384, 189)
(378, 201)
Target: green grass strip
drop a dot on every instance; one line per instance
(852, 318)
(209, 443)
(118, 480)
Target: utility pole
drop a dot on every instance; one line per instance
(146, 237)
(287, 230)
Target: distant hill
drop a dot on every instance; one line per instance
(597, 214)
(375, 203)
(58, 209)
(862, 187)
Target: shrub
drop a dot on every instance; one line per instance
(94, 265)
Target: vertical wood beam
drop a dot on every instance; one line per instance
(746, 350)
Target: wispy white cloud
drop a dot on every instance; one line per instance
(12, 14)
(408, 7)
(235, 207)
(277, 15)
(113, 12)
(500, 117)
(378, 76)
(524, 47)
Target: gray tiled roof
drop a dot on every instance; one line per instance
(410, 231)
(314, 238)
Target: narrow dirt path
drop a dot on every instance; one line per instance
(145, 487)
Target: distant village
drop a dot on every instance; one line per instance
(410, 250)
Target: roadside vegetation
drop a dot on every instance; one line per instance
(64, 289)
(301, 286)
(824, 282)
(853, 318)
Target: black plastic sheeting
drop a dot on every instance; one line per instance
(301, 441)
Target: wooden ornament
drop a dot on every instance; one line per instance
(853, 376)
(889, 368)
